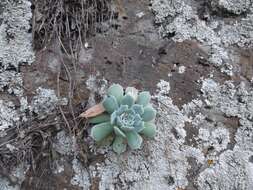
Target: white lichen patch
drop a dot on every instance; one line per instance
(23, 104)
(231, 167)
(11, 147)
(96, 86)
(164, 87)
(230, 99)
(15, 41)
(86, 54)
(45, 102)
(244, 136)
(15, 49)
(8, 115)
(12, 82)
(18, 173)
(234, 6)
(181, 69)
(218, 138)
(192, 108)
(5, 185)
(63, 143)
(81, 177)
(180, 20)
(230, 172)
(140, 14)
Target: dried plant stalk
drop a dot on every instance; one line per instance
(93, 111)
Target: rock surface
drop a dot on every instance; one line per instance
(196, 59)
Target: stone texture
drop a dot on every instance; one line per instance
(205, 142)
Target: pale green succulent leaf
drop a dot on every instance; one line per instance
(139, 126)
(100, 118)
(127, 100)
(118, 132)
(138, 109)
(134, 140)
(144, 98)
(127, 128)
(132, 92)
(117, 91)
(149, 114)
(119, 122)
(110, 104)
(137, 118)
(122, 109)
(119, 145)
(100, 131)
(113, 117)
(138, 123)
(126, 119)
(149, 130)
(107, 141)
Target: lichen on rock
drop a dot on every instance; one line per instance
(180, 20)
(45, 102)
(81, 176)
(173, 161)
(233, 6)
(12, 82)
(8, 115)
(15, 40)
(233, 165)
(159, 160)
(15, 49)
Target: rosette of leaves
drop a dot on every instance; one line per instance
(128, 115)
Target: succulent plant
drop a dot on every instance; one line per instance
(127, 116)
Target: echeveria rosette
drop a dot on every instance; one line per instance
(128, 115)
